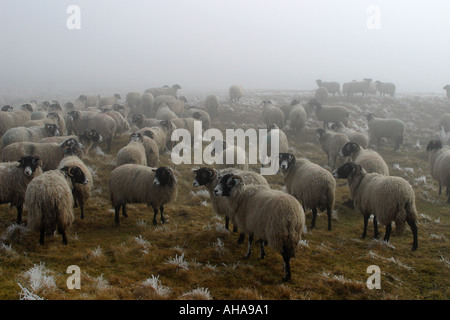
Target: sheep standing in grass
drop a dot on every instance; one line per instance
(385, 88)
(201, 115)
(14, 119)
(297, 118)
(212, 104)
(271, 114)
(271, 216)
(147, 101)
(321, 95)
(160, 133)
(133, 100)
(236, 92)
(333, 87)
(370, 160)
(109, 101)
(131, 183)
(87, 139)
(354, 136)
(32, 134)
(447, 90)
(331, 143)
(444, 123)
(142, 122)
(14, 178)
(166, 91)
(176, 105)
(49, 201)
(310, 184)
(164, 113)
(328, 114)
(388, 198)
(393, 129)
(439, 160)
(133, 152)
(209, 178)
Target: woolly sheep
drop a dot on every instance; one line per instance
(151, 151)
(14, 179)
(354, 136)
(297, 118)
(133, 152)
(14, 119)
(209, 178)
(328, 114)
(132, 183)
(439, 160)
(49, 201)
(236, 93)
(444, 122)
(133, 100)
(283, 144)
(271, 114)
(385, 88)
(32, 134)
(219, 150)
(332, 87)
(321, 95)
(160, 133)
(269, 215)
(358, 87)
(201, 115)
(393, 129)
(164, 113)
(388, 198)
(122, 125)
(87, 139)
(370, 160)
(212, 104)
(105, 101)
(176, 105)
(331, 143)
(141, 122)
(166, 91)
(81, 192)
(50, 154)
(310, 184)
(147, 102)
(447, 89)
(287, 108)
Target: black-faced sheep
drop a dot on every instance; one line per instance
(87, 139)
(370, 160)
(49, 201)
(271, 216)
(388, 198)
(133, 152)
(32, 134)
(132, 183)
(439, 160)
(15, 177)
(354, 136)
(331, 143)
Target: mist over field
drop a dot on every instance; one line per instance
(123, 46)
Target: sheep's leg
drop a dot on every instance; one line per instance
(241, 238)
(261, 246)
(116, 216)
(314, 216)
(109, 144)
(440, 187)
(286, 265)
(376, 234)
(227, 222)
(82, 212)
(63, 234)
(413, 226)
(155, 212)
(19, 214)
(163, 220)
(124, 211)
(249, 249)
(388, 232)
(329, 217)
(366, 221)
(235, 228)
(42, 235)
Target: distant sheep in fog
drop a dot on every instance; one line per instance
(106, 101)
(332, 87)
(321, 95)
(164, 91)
(271, 114)
(447, 88)
(385, 88)
(236, 93)
(444, 122)
(212, 104)
(354, 87)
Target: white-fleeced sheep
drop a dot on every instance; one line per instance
(133, 152)
(14, 179)
(321, 95)
(328, 114)
(133, 100)
(388, 198)
(331, 143)
(355, 87)
(49, 201)
(236, 92)
(14, 119)
(199, 114)
(385, 88)
(32, 134)
(297, 118)
(147, 102)
(164, 113)
(109, 101)
(354, 136)
(267, 214)
(87, 139)
(166, 91)
(393, 129)
(142, 122)
(132, 183)
(271, 114)
(369, 159)
(160, 133)
(439, 160)
(333, 87)
(310, 184)
(176, 105)
(212, 104)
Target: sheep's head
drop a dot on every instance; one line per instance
(166, 124)
(320, 132)
(266, 103)
(149, 134)
(117, 96)
(434, 145)
(27, 107)
(56, 106)
(294, 102)
(136, 137)
(74, 115)
(82, 98)
(348, 171)
(204, 176)
(164, 176)
(370, 116)
(176, 86)
(54, 115)
(348, 149)
(51, 129)
(7, 108)
(75, 174)
(137, 118)
(93, 135)
(29, 164)
(71, 147)
(286, 160)
(228, 184)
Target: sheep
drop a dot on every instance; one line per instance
(393, 129)
(297, 118)
(122, 125)
(164, 113)
(89, 100)
(132, 183)
(160, 133)
(133, 152)
(212, 104)
(166, 91)
(370, 160)
(332, 87)
(81, 192)
(385, 88)
(147, 102)
(209, 178)
(105, 101)
(269, 215)
(14, 178)
(173, 103)
(271, 114)
(50, 153)
(7, 108)
(14, 119)
(239, 161)
(201, 115)
(321, 95)
(388, 198)
(354, 136)
(133, 100)
(37, 123)
(447, 89)
(87, 139)
(439, 160)
(283, 144)
(358, 87)
(102, 123)
(331, 143)
(444, 122)
(328, 114)
(287, 108)
(49, 201)
(310, 184)
(141, 121)
(151, 151)
(32, 134)
(57, 118)
(236, 92)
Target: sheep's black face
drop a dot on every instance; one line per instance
(226, 185)
(56, 106)
(320, 132)
(345, 171)
(434, 145)
(52, 129)
(72, 146)
(163, 177)
(286, 160)
(27, 107)
(76, 174)
(348, 149)
(74, 115)
(203, 176)
(136, 118)
(370, 116)
(29, 164)
(7, 108)
(93, 135)
(137, 137)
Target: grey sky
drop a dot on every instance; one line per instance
(210, 44)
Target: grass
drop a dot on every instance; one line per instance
(193, 257)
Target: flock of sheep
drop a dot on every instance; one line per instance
(43, 146)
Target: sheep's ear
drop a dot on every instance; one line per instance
(36, 160)
(20, 161)
(154, 170)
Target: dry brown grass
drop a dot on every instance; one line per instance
(193, 257)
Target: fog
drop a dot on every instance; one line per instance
(208, 45)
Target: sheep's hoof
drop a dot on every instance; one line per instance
(287, 278)
(125, 215)
(155, 222)
(241, 238)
